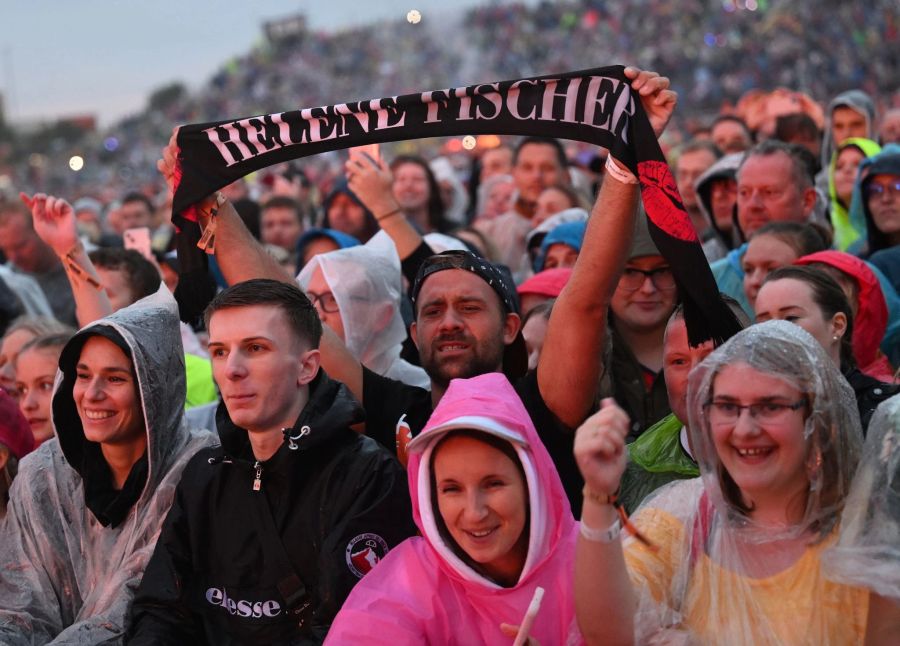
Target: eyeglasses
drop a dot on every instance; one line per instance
(877, 190)
(633, 279)
(726, 412)
(325, 300)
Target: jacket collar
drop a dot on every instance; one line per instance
(331, 408)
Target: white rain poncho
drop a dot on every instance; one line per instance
(717, 576)
(65, 576)
(366, 283)
(868, 550)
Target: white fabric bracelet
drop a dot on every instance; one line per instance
(622, 174)
(601, 535)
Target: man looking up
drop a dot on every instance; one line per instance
(270, 531)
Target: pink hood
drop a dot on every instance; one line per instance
(871, 319)
(422, 592)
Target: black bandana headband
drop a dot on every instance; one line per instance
(595, 106)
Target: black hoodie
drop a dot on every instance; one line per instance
(336, 500)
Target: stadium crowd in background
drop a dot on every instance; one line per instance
(497, 321)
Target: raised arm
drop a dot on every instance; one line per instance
(54, 222)
(371, 182)
(604, 599)
(240, 256)
(570, 365)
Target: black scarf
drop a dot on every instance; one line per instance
(595, 106)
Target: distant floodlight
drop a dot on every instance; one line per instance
(414, 17)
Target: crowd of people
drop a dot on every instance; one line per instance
(511, 339)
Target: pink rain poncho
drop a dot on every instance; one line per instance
(423, 593)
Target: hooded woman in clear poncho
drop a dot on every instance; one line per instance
(735, 555)
(74, 544)
(867, 553)
(366, 285)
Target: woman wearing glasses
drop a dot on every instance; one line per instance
(735, 555)
(640, 307)
(875, 208)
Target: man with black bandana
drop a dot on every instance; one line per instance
(464, 326)
(87, 506)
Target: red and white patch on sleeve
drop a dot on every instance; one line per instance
(364, 552)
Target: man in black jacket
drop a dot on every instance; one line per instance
(269, 532)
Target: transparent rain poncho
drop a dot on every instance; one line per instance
(716, 575)
(64, 575)
(366, 283)
(868, 550)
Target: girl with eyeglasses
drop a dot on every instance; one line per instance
(733, 556)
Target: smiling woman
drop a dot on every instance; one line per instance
(495, 525)
(774, 431)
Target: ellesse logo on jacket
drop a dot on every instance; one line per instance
(241, 607)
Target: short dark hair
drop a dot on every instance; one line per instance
(734, 119)
(796, 124)
(542, 141)
(143, 278)
(135, 196)
(828, 296)
(803, 237)
(301, 315)
(801, 170)
(282, 202)
(696, 145)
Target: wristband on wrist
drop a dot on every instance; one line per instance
(607, 535)
(617, 172)
(389, 214)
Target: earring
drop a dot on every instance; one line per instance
(836, 337)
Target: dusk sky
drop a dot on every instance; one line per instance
(103, 57)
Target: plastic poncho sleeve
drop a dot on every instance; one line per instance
(36, 604)
(30, 612)
(159, 614)
(868, 551)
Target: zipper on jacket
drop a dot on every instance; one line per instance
(257, 481)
